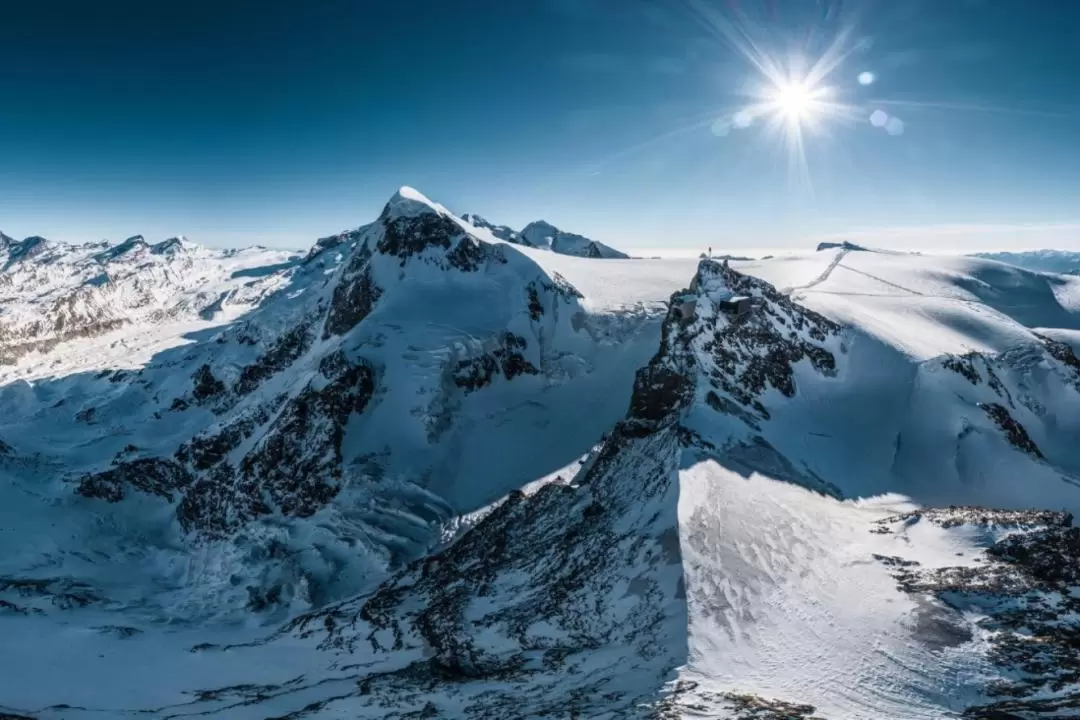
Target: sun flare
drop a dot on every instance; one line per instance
(797, 102)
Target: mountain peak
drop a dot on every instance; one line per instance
(171, 245)
(409, 202)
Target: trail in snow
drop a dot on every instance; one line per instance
(820, 278)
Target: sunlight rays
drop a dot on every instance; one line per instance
(793, 96)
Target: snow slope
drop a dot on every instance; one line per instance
(1062, 262)
(436, 474)
(301, 452)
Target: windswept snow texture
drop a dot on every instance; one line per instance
(434, 472)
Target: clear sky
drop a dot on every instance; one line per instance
(626, 120)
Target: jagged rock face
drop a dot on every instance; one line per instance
(505, 359)
(1025, 591)
(345, 240)
(286, 349)
(502, 232)
(735, 706)
(562, 571)
(1002, 389)
(206, 386)
(355, 295)
(293, 469)
(1064, 355)
(266, 421)
(745, 355)
(538, 577)
(405, 237)
(1014, 431)
(149, 475)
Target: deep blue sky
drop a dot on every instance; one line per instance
(278, 122)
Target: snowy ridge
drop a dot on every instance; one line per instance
(318, 404)
(545, 236)
(394, 461)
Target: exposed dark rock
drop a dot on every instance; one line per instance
(758, 350)
(331, 242)
(687, 699)
(206, 386)
(1064, 354)
(1061, 352)
(206, 450)
(119, 631)
(1026, 592)
(407, 236)
(286, 350)
(469, 255)
(564, 287)
(963, 365)
(845, 245)
(753, 707)
(63, 593)
(404, 237)
(154, 476)
(967, 366)
(354, 296)
(956, 515)
(660, 392)
(334, 364)
(295, 467)
(1014, 431)
(536, 308)
(506, 359)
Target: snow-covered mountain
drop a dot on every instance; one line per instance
(380, 391)
(52, 293)
(434, 474)
(502, 232)
(1062, 262)
(546, 236)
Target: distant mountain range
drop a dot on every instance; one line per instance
(545, 236)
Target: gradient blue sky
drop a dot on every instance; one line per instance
(277, 122)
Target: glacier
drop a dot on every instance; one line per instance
(428, 471)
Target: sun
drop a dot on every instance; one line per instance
(797, 102)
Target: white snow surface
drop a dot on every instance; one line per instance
(926, 305)
(1046, 260)
(782, 592)
(786, 600)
